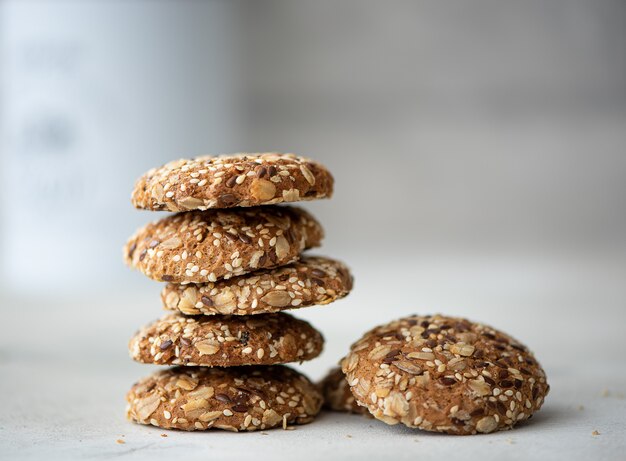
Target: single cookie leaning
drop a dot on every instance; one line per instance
(310, 281)
(337, 394)
(238, 180)
(226, 341)
(233, 399)
(445, 374)
(204, 246)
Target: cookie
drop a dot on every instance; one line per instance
(337, 394)
(233, 399)
(445, 374)
(310, 281)
(204, 246)
(226, 341)
(239, 180)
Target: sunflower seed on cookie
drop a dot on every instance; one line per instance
(445, 374)
(232, 399)
(337, 394)
(237, 180)
(205, 246)
(226, 340)
(310, 281)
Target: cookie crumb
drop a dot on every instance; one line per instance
(606, 393)
(120, 442)
(595, 433)
(348, 436)
(264, 433)
(163, 435)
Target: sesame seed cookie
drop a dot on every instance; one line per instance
(238, 180)
(233, 399)
(204, 246)
(337, 394)
(310, 281)
(445, 374)
(226, 341)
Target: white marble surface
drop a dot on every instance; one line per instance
(65, 369)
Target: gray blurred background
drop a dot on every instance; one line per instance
(477, 147)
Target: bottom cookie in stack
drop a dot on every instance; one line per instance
(246, 398)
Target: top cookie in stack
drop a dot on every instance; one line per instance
(239, 180)
(232, 262)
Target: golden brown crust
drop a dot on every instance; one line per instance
(226, 341)
(337, 394)
(233, 399)
(445, 374)
(310, 281)
(204, 246)
(238, 180)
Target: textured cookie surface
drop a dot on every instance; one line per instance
(225, 341)
(310, 281)
(337, 394)
(446, 375)
(238, 180)
(234, 399)
(204, 246)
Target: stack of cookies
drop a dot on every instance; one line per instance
(232, 261)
